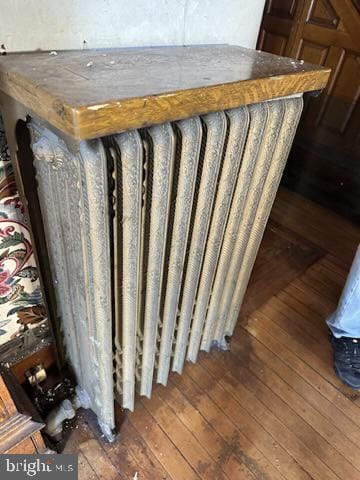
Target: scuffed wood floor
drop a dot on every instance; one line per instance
(272, 407)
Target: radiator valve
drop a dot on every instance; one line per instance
(65, 411)
(36, 375)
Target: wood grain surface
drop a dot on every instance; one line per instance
(18, 432)
(93, 93)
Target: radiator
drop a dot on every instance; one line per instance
(160, 226)
(155, 170)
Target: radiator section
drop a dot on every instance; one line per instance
(131, 151)
(247, 194)
(191, 134)
(215, 126)
(163, 141)
(195, 198)
(284, 141)
(238, 131)
(73, 194)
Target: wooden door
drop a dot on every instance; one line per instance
(325, 160)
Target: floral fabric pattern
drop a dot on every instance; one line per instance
(21, 305)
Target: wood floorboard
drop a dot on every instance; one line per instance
(292, 301)
(305, 421)
(272, 407)
(251, 427)
(99, 461)
(253, 350)
(322, 227)
(285, 252)
(238, 444)
(220, 452)
(311, 358)
(298, 332)
(338, 264)
(131, 452)
(195, 454)
(160, 444)
(280, 432)
(311, 298)
(283, 309)
(310, 374)
(86, 471)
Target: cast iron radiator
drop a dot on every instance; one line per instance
(152, 234)
(156, 170)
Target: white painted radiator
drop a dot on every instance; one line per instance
(152, 235)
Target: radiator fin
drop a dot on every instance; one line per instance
(131, 151)
(163, 139)
(191, 140)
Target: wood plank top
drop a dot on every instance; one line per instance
(92, 93)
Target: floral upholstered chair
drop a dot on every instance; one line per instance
(21, 305)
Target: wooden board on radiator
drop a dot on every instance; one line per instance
(93, 93)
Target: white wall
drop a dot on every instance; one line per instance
(65, 24)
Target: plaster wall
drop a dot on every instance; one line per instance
(72, 24)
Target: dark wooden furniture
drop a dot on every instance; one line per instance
(325, 161)
(18, 432)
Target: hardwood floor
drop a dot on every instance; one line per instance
(272, 407)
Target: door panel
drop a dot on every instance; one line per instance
(322, 14)
(313, 52)
(285, 8)
(278, 25)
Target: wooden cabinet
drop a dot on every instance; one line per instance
(18, 432)
(325, 161)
